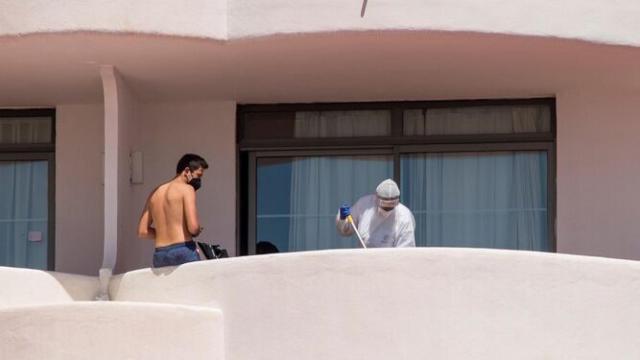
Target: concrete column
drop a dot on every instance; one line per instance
(110, 91)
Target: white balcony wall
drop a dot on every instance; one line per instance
(194, 18)
(27, 287)
(109, 330)
(595, 20)
(408, 304)
(342, 304)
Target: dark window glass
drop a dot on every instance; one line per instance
(474, 120)
(25, 130)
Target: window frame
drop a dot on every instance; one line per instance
(397, 144)
(37, 152)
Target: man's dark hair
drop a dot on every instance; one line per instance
(265, 247)
(192, 161)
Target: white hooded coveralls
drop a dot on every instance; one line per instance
(395, 230)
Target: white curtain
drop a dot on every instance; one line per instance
(323, 124)
(494, 200)
(24, 213)
(320, 184)
(477, 120)
(31, 130)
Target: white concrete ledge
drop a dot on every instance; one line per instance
(409, 303)
(79, 287)
(110, 330)
(20, 287)
(595, 20)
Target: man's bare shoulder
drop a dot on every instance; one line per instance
(159, 190)
(178, 188)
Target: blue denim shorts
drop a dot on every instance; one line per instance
(175, 254)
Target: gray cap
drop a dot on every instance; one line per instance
(388, 189)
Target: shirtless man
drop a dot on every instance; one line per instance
(170, 216)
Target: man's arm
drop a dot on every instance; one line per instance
(191, 212)
(145, 231)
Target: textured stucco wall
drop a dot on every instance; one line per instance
(595, 20)
(409, 304)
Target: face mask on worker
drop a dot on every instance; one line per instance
(386, 206)
(196, 182)
(388, 195)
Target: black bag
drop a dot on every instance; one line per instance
(212, 251)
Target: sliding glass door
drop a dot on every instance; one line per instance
(25, 224)
(298, 196)
(27, 146)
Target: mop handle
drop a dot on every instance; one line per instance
(353, 226)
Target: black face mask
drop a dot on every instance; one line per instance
(196, 183)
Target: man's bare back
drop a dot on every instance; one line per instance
(167, 209)
(171, 209)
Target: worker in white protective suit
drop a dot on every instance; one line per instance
(380, 218)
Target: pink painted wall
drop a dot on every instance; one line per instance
(599, 172)
(79, 188)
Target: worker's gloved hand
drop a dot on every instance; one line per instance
(345, 211)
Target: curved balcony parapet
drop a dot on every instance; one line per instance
(434, 302)
(22, 287)
(597, 20)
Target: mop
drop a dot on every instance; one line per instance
(355, 229)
